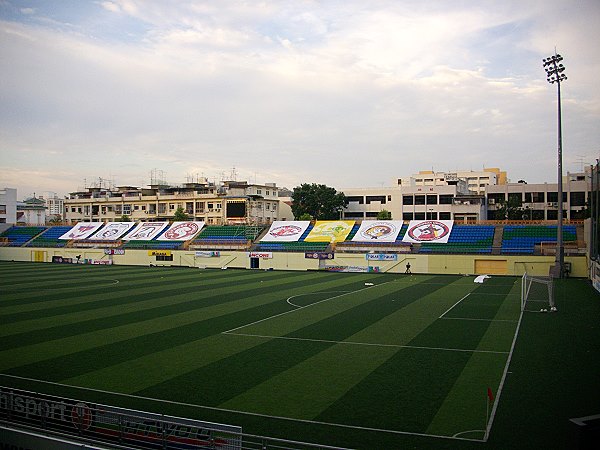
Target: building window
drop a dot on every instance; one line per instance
(408, 200)
(259, 191)
(515, 197)
(199, 206)
(420, 200)
(445, 216)
(420, 216)
(389, 198)
(432, 199)
(267, 193)
(356, 198)
(538, 197)
(164, 257)
(431, 215)
(446, 199)
(136, 207)
(371, 214)
(407, 216)
(354, 215)
(577, 198)
(126, 209)
(496, 198)
(2, 209)
(375, 198)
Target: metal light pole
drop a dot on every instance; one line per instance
(554, 73)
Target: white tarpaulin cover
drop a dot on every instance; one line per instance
(181, 231)
(423, 231)
(82, 230)
(113, 231)
(378, 231)
(146, 231)
(285, 231)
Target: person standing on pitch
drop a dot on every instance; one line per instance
(408, 268)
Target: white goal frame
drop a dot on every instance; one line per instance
(542, 294)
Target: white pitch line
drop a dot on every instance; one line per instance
(483, 320)
(448, 310)
(214, 408)
(502, 380)
(311, 293)
(302, 307)
(289, 338)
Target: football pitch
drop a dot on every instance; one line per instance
(308, 356)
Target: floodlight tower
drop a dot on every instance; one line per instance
(554, 73)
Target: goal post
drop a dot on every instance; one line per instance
(537, 293)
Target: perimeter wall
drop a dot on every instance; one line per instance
(355, 262)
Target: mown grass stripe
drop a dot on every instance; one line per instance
(114, 295)
(411, 377)
(466, 403)
(26, 295)
(136, 309)
(230, 377)
(151, 369)
(327, 376)
(117, 344)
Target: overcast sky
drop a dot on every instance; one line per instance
(348, 93)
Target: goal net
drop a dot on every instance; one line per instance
(537, 293)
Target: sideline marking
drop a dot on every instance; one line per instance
(289, 338)
(214, 408)
(502, 380)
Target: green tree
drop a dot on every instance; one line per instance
(320, 201)
(384, 214)
(511, 210)
(125, 218)
(305, 216)
(180, 215)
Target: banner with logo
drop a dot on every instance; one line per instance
(381, 257)
(318, 255)
(146, 231)
(285, 231)
(423, 231)
(82, 230)
(263, 255)
(378, 231)
(181, 231)
(113, 231)
(330, 231)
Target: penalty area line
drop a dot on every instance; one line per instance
(302, 307)
(247, 413)
(368, 344)
(449, 309)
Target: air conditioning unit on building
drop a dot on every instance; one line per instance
(553, 204)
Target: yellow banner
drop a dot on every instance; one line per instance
(159, 252)
(330, 231)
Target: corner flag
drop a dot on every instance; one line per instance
(490, 394)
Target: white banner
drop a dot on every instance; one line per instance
(181, 231)
(378, 231)
(381, 257)
(145, 231)
(81, 231)
(285, 231)
(113, 231)
(422, 231)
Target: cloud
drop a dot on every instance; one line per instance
(340, 93)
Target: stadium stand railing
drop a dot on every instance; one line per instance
(17, 236)
(464, 239)
(225, 237)
(523, 239)
(50, 237)
(350, 246)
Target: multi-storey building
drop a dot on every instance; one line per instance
(448, 197)
(540, 201)
(230, 202)
(55, 206)
(476, 181)
(8, 205)
(431, 202)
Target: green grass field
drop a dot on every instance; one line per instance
(311, 356)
